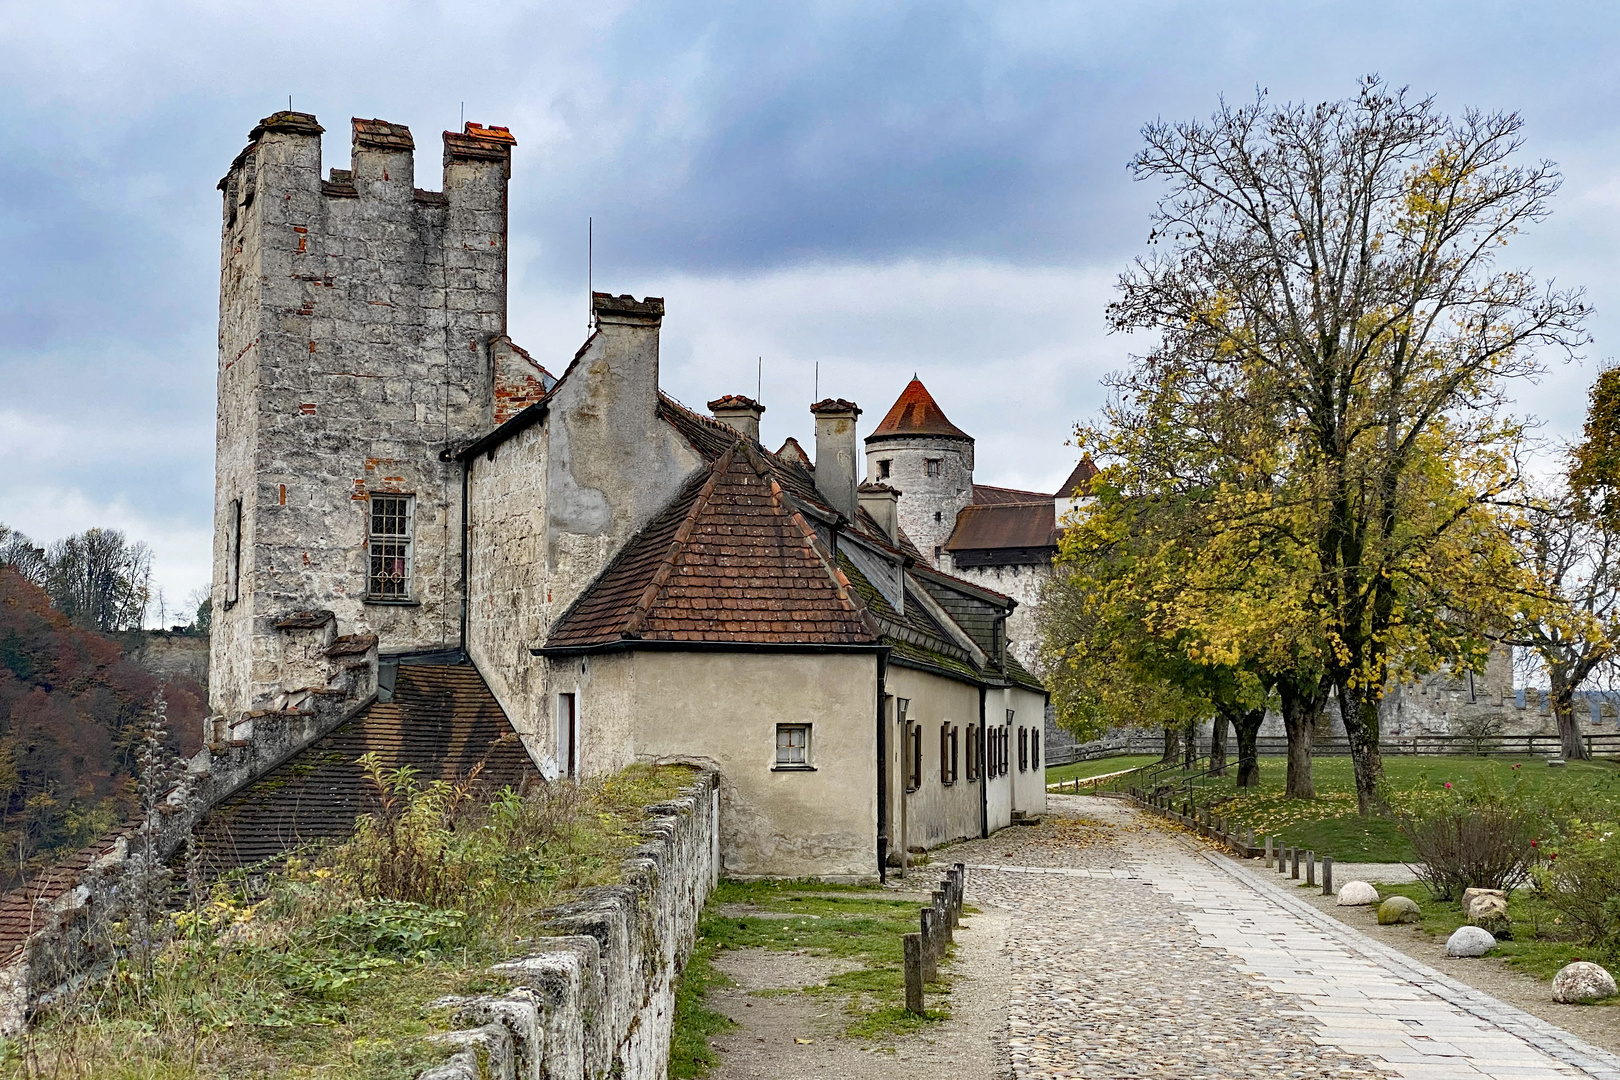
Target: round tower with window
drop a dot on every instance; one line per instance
(930, 461)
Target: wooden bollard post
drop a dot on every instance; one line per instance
(1282, 860)
(1310, 868)
(913, 946)
(1248, 842)
(942, 920)
(1327, 875)
(930, 968)
(1268, 851)
(1293, 860)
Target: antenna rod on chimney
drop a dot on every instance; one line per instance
(759, 379)
(815, 394)
(590, 272)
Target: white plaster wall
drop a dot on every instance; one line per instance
(721, 710)
(936, 812)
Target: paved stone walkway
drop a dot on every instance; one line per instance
(1135, 953)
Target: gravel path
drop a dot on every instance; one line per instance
(1135, 954)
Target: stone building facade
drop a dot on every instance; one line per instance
(615, 577)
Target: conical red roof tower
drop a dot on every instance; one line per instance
(916, 413)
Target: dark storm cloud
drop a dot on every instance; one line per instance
(875, 187)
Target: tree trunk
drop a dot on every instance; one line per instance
(1561, 695)
(1359, 709)
(1172, 744)
(1191, 745)
(1247, 727)
(1217, 745)
(1300, 708)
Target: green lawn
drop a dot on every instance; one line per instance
(1330, 825)
(1085, 770)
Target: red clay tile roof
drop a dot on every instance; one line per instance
(791, 451)
(21, 909)
(835, 406)
(730, 560)
(1079, 480)
(735, 401)
(442, 721)
(916, 413)
(1004, 525)
(985, 493)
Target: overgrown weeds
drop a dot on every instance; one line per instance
(326, 965)
(1475, 836)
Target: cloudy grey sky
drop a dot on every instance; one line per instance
(880, 188)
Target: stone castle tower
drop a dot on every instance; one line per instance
(930, 460)
(362, 337)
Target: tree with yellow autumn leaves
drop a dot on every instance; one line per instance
(1303, 474)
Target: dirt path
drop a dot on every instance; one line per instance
(783, 1035)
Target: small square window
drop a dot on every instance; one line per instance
(792, 746)
(934, 466)
(883, 468)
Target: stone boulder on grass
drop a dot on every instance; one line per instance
(1357, 894)
(1398, 909)
(1469, 941)
(1582, 981)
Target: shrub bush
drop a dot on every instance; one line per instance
(1580, 880)
(1478, 838)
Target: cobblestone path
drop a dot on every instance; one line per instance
(1136, 954)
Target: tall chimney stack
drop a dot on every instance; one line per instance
(739, 413)
(836, 453)
(883, 503)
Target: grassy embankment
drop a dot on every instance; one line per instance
(849, 922)
(1330, 825)
(1085, 770)
(327, 969)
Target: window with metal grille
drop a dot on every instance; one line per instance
(390, 542)
(792, 746)
(934, 466)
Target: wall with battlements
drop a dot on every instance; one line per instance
(357, 313)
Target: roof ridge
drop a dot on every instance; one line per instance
(779, 499)
(683, 533)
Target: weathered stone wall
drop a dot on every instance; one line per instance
(928, 504)
(356, 315)
(169, 655)
(599, 1001)
(1023, 584)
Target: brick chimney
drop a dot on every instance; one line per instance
(836, 453)
(739, 413)
(883, 503)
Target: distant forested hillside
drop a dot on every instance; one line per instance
(72, 707)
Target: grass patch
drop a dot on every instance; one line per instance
(1540, 944)
(853, 922)
(326, 969)
(1330, 824)
(1085, 770)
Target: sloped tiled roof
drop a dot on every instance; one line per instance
(1004, 525)
(1079, 480)
(22, 910)
(442, 721)
(986, 493)
(916, 412)
(730, 560)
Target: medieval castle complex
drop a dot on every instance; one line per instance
(425, 540)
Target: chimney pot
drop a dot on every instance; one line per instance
(883, 503)
(836, 453)
(739, 413)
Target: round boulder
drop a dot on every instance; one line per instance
(1470, 941)
(1582, 981)
(1398, 909)
(1357, 894)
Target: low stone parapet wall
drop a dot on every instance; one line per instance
(599, 1000)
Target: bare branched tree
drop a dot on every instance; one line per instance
(1337, 264)
(100, 580)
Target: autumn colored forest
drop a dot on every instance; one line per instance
(72, 710)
